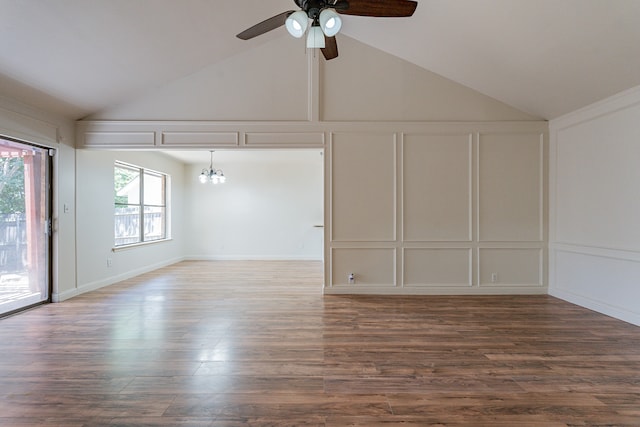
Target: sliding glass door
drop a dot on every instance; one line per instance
(25, 227)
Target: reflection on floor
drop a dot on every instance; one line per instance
(14, 291)
(230, 344)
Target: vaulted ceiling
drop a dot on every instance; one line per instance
(544, 57)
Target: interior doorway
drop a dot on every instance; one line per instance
(271, 206)
(25, 227)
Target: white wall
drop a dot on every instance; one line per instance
(94, 220)
(267, 209)
(595, 206)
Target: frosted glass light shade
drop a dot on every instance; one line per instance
(297, 23)
(315, 38)
(330, 22)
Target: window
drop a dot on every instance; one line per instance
(140, 205)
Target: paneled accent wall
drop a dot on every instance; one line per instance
(467, 205)
(410, 208)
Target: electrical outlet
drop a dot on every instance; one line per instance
(352, 278)
(494, 277)
(109, 262)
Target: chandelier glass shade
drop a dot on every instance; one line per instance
(212, 175)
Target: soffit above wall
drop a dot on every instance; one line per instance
(271, 156)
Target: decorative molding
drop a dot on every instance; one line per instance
(610, 105)
(598, 306)
(115, 139)
(394, 227)
(389, 290)
(541, 267)
(585, 295)
(469, 188)
(264, 139)
(28, 129)
(252, 258)
(393, 256)
(161, 126)
(541, 185)
(199, 138)
(611, 253)
(439, 285)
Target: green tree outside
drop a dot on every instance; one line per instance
(123, 176)
(12, 185)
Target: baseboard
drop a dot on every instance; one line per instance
(92, 286)
(253, 258)
(391, 290)
(600, 307)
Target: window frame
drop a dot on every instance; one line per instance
(142, 239)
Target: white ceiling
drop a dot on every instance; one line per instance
(545, 57)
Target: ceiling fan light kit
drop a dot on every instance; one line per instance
(325, 19)
(330, 22)
(297, 23)
(315, 38)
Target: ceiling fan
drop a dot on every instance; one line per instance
(324, 16)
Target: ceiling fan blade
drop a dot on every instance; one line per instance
(330, 50)
(380, 8)
(265, 26)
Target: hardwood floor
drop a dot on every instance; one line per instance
(256, 343)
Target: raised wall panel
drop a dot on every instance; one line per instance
(115, 139)
(279, 138)
(437, 267)
(363, 186)
(200, 138)
(437, 187)
(605, 283)
(597, 181)
(510, 187)
(513, 266)
(370, 266)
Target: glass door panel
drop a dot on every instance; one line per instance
(24, 225)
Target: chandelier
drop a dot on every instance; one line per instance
(212, 175)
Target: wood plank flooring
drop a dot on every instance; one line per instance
(256, 343)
